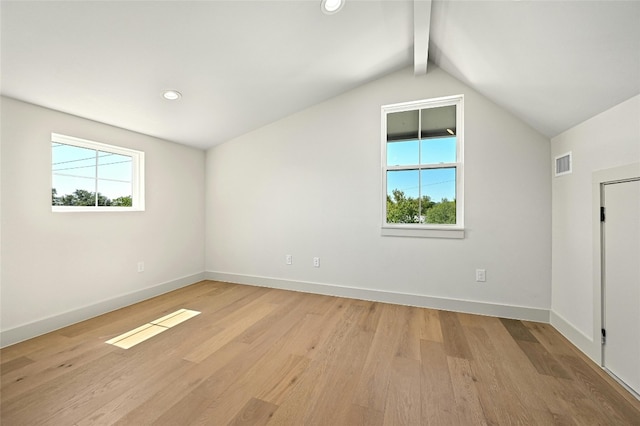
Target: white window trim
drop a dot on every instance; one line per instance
(137, 167)
(426, 230)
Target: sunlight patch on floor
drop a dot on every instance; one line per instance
(153, 328)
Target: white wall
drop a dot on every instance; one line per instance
(310, 185)
(605, 142)
(59, 268)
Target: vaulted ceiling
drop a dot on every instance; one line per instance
(243, 64)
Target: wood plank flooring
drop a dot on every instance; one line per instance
(258, 356)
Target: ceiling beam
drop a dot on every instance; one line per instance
(421, 23)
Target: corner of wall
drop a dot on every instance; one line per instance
(385, 296)
(583, 342)
(47, 325)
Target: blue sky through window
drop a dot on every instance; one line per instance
(436, 183)
(75, 168)
(431, 151)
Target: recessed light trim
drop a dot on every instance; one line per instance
(171, 95)
(330, 7)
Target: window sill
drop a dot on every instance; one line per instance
(422, 232)
(64, 209)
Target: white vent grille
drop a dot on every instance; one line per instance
(563, 164)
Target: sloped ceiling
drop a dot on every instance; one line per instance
(552, 63)
(243, 64)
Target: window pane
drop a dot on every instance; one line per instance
(402, 153)
(118, 194)
(440, 186)
(73, 191)
(438, 121)
(114, 166)
(73, 175)
(73, 160)
(402, 196)
(114, 179)
(402, 125)
(438, 150)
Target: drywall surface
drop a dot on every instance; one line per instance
(609, 140)
(55, 264)
(310, 186)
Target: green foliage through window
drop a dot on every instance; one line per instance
(403, 209)
(82, 197)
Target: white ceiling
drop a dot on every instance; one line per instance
(243, 64)
(552, 63)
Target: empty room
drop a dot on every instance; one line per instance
(320, 212)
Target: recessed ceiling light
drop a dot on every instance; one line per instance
(451, 132)
(171, 95)
(332, 6)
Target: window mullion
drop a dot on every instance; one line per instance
(438, 166)
(405, 167)
(419, 167)
(96, 179)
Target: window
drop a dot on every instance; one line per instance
(422, 162)
(92, 176)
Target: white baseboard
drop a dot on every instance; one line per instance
(456, 305)
(46, 325)
(590, 347)
(39, 327)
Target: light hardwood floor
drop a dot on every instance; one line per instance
(262, 356)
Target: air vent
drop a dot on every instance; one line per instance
(563, 164)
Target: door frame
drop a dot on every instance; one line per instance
(605, 283)
(599, 179)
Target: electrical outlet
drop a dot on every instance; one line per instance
(481, 275)
(288, 259)
(140, 266)
(316, 262)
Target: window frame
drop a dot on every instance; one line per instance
(137, 174)
(428, 230)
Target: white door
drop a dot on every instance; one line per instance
(621, 281)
